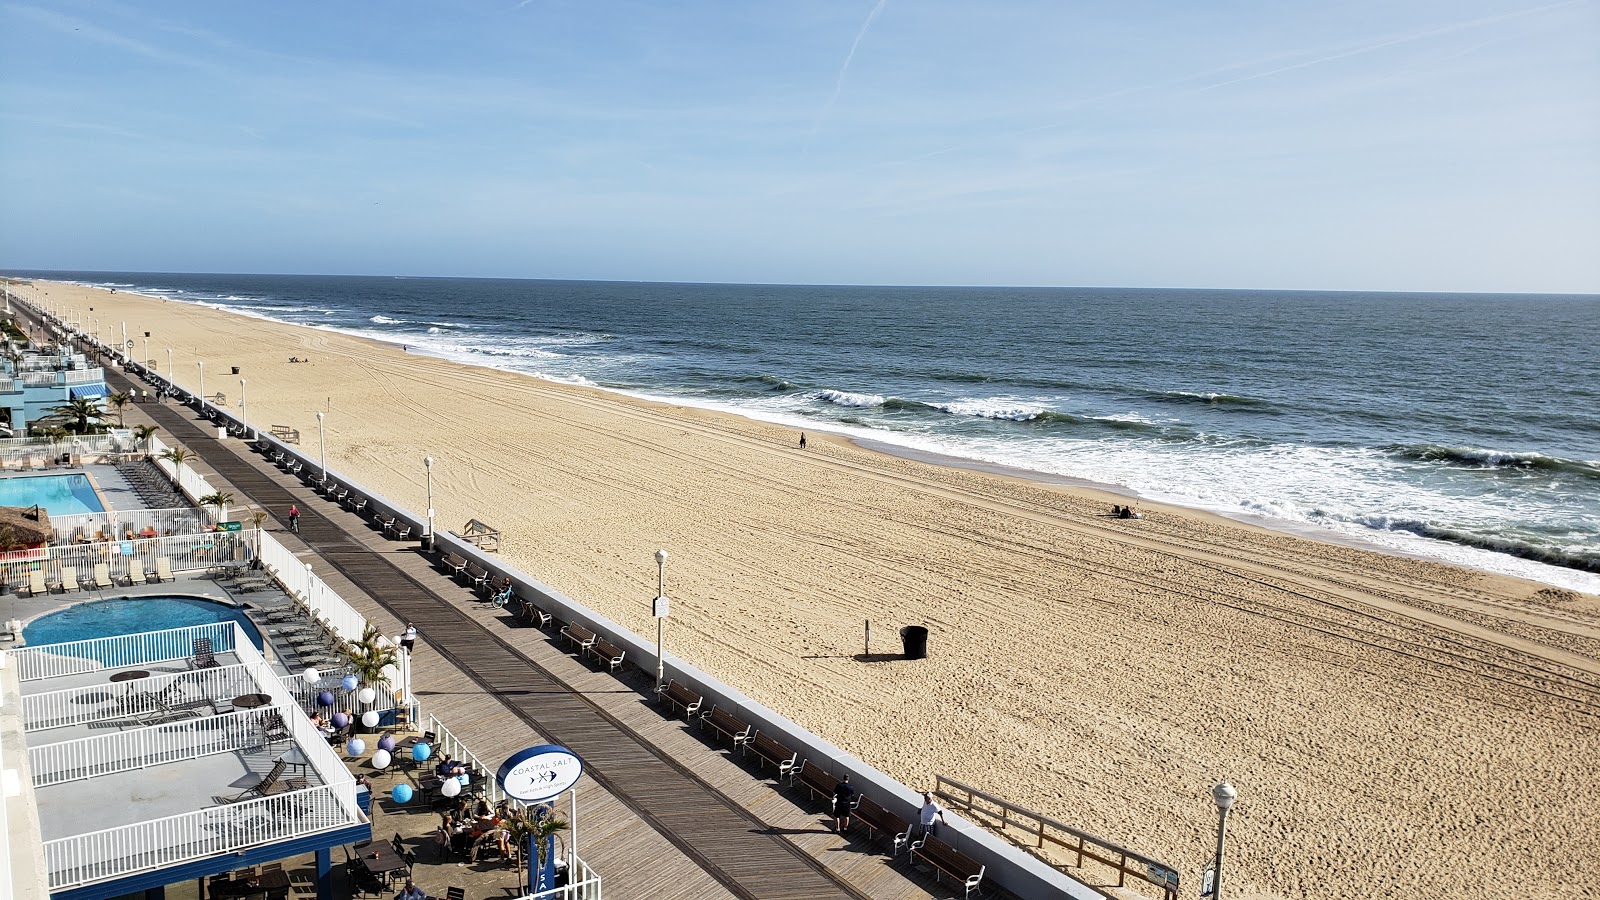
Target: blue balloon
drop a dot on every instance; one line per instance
(421, 752)
(351, 682)
(340, 720)
(356, 747)
(402, 793)
(325, 699)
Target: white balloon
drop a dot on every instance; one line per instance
(450, 788)
(312, 676)
(369, 719)
(391, 675)
(366, 695)
(380, 759)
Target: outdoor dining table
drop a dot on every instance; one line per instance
(129, 675)
(251, 701)
(380, 858)
(244, 884)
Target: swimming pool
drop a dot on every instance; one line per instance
(131, 615)
(60, 495)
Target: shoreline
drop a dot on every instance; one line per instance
(1099, 671)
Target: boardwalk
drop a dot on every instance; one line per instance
(733, 834)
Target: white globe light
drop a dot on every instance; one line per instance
(381, 759)
(390, 674)
(450, 788)
(369, 719)
(312, 676)
(366, 695)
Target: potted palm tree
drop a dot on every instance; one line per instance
(119, 400)
(218, 499)
(142, 434)
(537, 828)
(177, 456)
(370, 657)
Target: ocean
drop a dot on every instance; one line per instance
(1459, 427)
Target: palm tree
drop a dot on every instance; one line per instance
(369, 656)
(536, 827)
(119, 400)
(142, 434)
(258, 518)
(177, 456)
(81, 410)
(219, 499)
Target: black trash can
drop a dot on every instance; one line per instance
(914, 638)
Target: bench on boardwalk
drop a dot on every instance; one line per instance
(453, 563)
(726, 723)
(476, 576)
(580, 636)
(816, 780)
(770, 751)
(528, 614)
(880, 821)
(398, 528)
(606, 652)
(946, 860)
(675, 694)
(357, 503)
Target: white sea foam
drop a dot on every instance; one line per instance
(847, 398)
(1003, 408)
(386, 320)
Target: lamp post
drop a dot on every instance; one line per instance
(169, 364)
(146, 361)
(660, 613)
(1224, 794)
(427, 463)
(244, 412)
(202, 366)
(322, 456)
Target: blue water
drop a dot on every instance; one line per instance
(1460, 427)
(60, 495)
(133, 615)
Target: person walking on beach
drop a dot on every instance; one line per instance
(294, 518)
(408, 638)
(844, 800)
(802, 440)
(930, 811)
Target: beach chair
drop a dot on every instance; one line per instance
(136, 572)
(204, 657)
(35, 585)
(163, 569)
(102, 576)
(69, 580)
(271, 783)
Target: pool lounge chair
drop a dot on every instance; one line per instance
(35, 585)
(69, 580)
(136, 572)
(102, 576)
(204, 656)
(163, 569)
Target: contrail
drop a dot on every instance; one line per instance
(838, 84)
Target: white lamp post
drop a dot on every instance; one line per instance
(427, 463)
(146, 361)
(1224, 794)
(169, 364)
(202, 366)
(244, 412)
(322, 455)
(660, 613)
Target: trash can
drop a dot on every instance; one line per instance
(914, 638)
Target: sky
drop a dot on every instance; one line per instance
(1440, 145)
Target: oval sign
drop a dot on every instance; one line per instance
(540, 773)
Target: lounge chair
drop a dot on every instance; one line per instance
(204, 656)
(271, 784)
(102, 576)
(136, 572)
(163, 569)
(35, 585)
(69, 580)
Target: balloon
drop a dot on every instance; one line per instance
(387, 742)
(381, 758)
(340, 720)
(390, 674)
(350, 682)
(450, 788)
(402, 793)
(312, 676)
(367, 695)
(356, 747)
(421, 752)
(369, 719)
(325, 698)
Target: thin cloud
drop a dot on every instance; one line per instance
(838, 84)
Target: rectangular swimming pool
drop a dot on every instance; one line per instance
(60, 495)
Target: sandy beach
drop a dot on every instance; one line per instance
(1395, 727)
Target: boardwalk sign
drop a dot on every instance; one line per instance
(540, 773)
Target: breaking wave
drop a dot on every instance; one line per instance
(1479, 458)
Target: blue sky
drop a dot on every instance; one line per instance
(1451, 145)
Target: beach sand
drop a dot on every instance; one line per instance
(1395, 728)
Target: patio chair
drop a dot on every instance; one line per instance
(102, 576)
(69, 579)
(35, 585)
(136, 572)
(275, 729)
(272, 783)
(163, 569)
(204, 656)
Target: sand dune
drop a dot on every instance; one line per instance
(1395, 728)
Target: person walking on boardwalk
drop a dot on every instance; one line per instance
(930, 811)
(408, 638)
(844, 800)
(802, 440)
(294, 518)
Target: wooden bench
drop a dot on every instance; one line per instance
(770, 751)
(726, 723)
(606, 652)
(816, 780)
(946, 860)
(675, 694)
(454, 563)
(880, 821)
(579, 635)
(398, 528)
(476, 576)
(358, 504)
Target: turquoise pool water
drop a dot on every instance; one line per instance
(131, 615)
(60, 495)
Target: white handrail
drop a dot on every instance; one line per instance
(121, 652)
(321, 757)
(120, 751)
(298, 579)
(587, 888)
(99, 702)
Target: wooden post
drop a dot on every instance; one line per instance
(866, 649)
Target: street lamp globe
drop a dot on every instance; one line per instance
(1224, 794)
(661, 557)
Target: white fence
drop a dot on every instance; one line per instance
(22, 453)
(169, 742)
(586, 888)
(183, 552)
(189, 482)
(140, 698)
(125, 651)
(129, 524)
(299, 580)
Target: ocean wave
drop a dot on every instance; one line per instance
(1583, 560)
(385, 320)
(775, 383)
(1479, 458)
(847, 398)
(1211, 398)
(995, 408)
